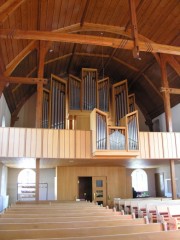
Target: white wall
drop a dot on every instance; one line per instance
(4, 111)
(175, 119)
(27, 114)
(3, 187)
(142, 126)
(46, 176)
(167, 177)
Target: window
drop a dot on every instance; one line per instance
(139, 180)
(27, 176)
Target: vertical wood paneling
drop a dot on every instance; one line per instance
(151, 144)
(177, 141)
(160, 145)
(55, 144)
(165, 145)
(141, 145)
(72, 143)
(173, 149)
(33, 142)
(146, 145)
(83, 144)
(78, 144)
(156, 144)
(22, 141)
(11, 142)
(88, 145)
(61, 144)
(16, 142)
(45, 143)
(5, 142)
(67, 146)
(38, 143)
(28, 142)
(50, 142)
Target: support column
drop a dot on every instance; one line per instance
(168, 118)
(39, 103)
(173, 180)
(37, 178)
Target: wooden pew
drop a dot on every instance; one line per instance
(174, 217)
(170, 235)
(79, 232)
(13, 219)
(70, 224)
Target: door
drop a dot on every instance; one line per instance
(85, 188)
(99, 190)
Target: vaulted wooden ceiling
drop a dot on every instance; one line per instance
(40, 37)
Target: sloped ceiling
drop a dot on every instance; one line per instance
(157, 21)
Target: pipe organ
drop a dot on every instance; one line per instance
(58, 103)
(45, 110)
(101, 131)
(89, 89)
(120, 101)
(115, 119)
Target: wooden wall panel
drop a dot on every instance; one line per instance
(67, 180)
(160, 146)
(165, 145)
(82, 144)
(78, 144)
(33, 142)
(177, 142)
(88, 145)
(45, 143)
(39, 143)
(72, 144)
(61, 144)
(55, 148)
(50, 143)
(67, 145)
(28, 142)
(11, 143)
(152, 145)
(173, 145)
(22, 142)
(16, 142)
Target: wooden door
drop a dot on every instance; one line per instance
(99, 190)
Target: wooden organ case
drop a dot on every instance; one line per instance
(89, 103)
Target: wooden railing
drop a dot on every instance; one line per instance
(66, 144)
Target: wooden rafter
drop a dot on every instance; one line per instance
(170, 90)
(173, 62)
(24, 80)
(81, 24)
(134, 28)
(88, 39)
(8, 7)
(13, 64)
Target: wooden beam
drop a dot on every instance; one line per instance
(166, 96)
(13, 64)
(170, 90)
(88, 39)
(24, 80)
(39, 104)
(173, 62)
(8, 7)
(134, 28)
(173, 179)
(37, 178)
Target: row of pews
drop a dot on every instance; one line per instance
(77, 220)
(155, 210)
